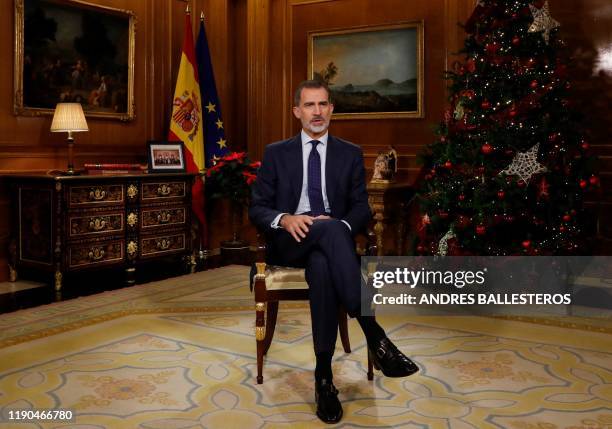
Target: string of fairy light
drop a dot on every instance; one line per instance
(508, 140)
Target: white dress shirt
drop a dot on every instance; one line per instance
(304, 203)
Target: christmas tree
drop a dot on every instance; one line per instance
(510, 166)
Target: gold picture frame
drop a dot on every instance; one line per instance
(91, 61)
(392, 89)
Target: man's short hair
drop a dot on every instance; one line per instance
(311, 84)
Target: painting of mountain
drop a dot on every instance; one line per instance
(371, 71)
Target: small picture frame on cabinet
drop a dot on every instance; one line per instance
(166, 157)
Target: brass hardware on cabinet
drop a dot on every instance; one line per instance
(132, 191)
(163, 244)
(97, 224)
(132, 219)
(96, 253)
(164, 190)
(97, 194)
(164, 217)
(132, 247)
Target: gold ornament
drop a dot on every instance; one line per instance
(132, 191)
(542, 21)
(132, 219)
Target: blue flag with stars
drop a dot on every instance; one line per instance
(215, 145)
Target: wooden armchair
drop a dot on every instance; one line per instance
(274, 283)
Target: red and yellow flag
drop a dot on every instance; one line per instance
(186, 122)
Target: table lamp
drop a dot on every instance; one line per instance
(69, 118)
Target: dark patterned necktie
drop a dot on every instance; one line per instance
(315, 192)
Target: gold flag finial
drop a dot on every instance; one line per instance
(187, 10)
(201, 15)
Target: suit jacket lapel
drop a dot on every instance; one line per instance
(293, 161)
(332, 169)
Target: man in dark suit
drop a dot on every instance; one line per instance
(310, 199)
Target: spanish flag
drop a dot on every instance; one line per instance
(186, 122)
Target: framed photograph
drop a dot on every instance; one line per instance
(166, 157)
(372, 71)
(73, 51)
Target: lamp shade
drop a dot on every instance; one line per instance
(68, 117)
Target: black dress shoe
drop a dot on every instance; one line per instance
(329, 408)
(387, 358)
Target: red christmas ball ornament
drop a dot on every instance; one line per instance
(594, 180)
(515, 15)
(481, 169)
(583, 184)
(471, 65)
(486, 149)
(448, 165)
(573, 212)
(534, 84)
(432, 172)
(562, 228)
(568, 85)
(585, 145)
(516, 40)
(492, 48)
(428, 177)
(526, 244)
(442, 139)
(521, 183)
(421, 248)
(461, 197)
(485, 104)
(567, 218)
(512, 113)
(501, 194)
(553, 137)
(481, 229)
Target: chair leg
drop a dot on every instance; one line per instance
(370, 369)
(270, 324)
(260, 334)
(343, 328)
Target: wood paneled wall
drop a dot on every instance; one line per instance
(27, 144)
(259, 50)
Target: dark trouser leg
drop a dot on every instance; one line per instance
(323, 303)
(333, 239)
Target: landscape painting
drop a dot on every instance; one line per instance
(372, 72)
(72, 51)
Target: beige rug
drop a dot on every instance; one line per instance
(181, 354)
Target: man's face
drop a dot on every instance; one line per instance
(314, 111)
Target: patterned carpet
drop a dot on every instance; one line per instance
(179, 354)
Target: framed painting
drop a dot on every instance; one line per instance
(166, 157)
(373, 71)
(73, 51)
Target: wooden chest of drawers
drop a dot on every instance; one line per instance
(66, 224)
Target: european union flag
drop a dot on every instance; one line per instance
(215, 145)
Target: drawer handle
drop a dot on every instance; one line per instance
(97, 194)
(163, 244)
(97, 224)
(164, 190)
(164, 217)
(96, 253)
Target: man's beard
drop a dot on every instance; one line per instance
(316, 129)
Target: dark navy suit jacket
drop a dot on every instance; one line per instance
(279, 183)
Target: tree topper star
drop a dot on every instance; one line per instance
(542, 21)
